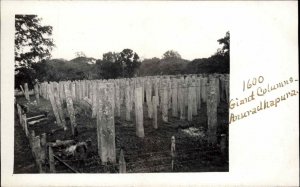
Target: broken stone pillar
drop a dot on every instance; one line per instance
(139, 113)
(25, 124)
(36, 149)
(51, 160)
(106, 125)
(19, 113)
(122, 163)
(70, 109)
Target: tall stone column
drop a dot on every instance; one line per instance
(139, 112)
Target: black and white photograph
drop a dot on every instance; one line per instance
(149, 93)
(149, 97)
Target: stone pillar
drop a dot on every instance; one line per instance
(58, 104)
(194, 96)
(148, 98)
(154, 105)
(70, 109)
(198, 88)
(117, 100)
(53, 103)
(212, 114)
(94, 99)
(36, 92)
(139, 113)
(43, 147)
(204, 85)
(190, 103)
(26, 92)
(169, 83)
(127, 101)
(122, 163)
(174, 98)
(155, 87)
(25, 124)
(106, 125)
(165, 104)
(73, 90)
(181, 101)
(51, 160)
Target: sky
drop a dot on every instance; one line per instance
(148, 28)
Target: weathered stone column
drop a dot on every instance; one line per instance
(148, 98)
(174, 98)
(36, 92)
(122, 163)
(194, 97)
(117, 100)
(26, 92)
(190, 102)
(53, 103)
(165, 104)
(51, 160)
(204, 85)
(154, 105)
(212, 114)
(70, 109)
(58, 104)
(198, 83)
(181, 101)
(127, 101)
(156, 89)
(106, 125)
(43, 147)
(94, 99)
(139, 113)
(169, 85)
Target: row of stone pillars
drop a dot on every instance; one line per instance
(184, 96)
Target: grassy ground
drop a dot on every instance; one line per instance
(150, 154)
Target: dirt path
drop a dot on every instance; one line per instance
(23, 158)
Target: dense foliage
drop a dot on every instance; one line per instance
(32, 40)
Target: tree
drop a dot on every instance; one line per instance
(32, 40)
(171, 54)
(129, 62)
(111, 57)
(224, 51)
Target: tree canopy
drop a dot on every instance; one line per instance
(130, 62)
(226, 45)
(171, 54)
(32, 40)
